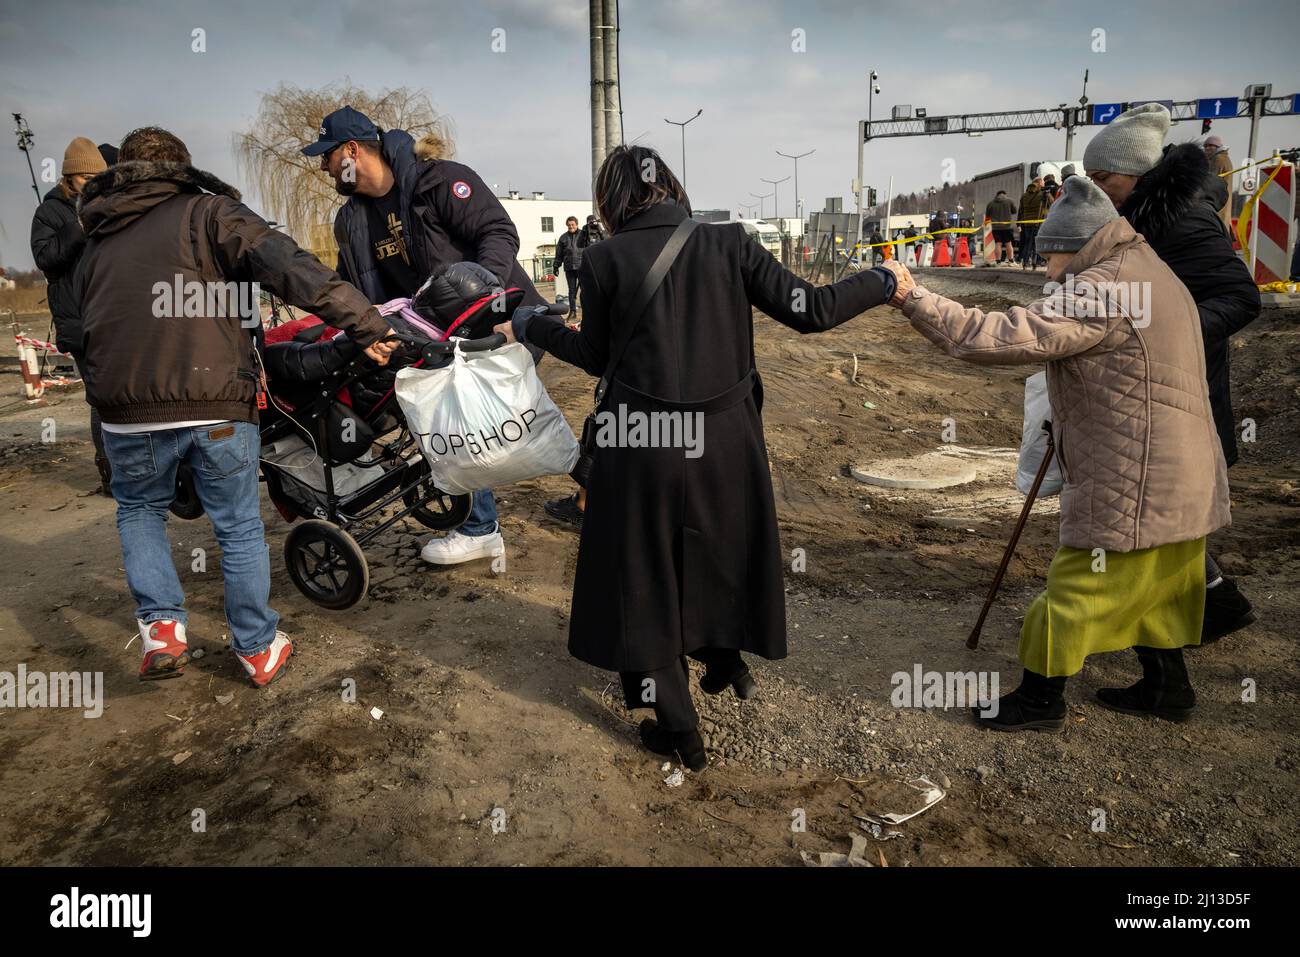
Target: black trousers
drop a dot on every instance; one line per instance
(571, 276)
(668, 689)
(96, 427)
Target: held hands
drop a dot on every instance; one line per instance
(506, 329)
(381, 349)
(903, 278)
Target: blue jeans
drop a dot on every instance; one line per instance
(482, 518)
(223, 459)
(1028, 248)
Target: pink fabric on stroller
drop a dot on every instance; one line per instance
(415, 324)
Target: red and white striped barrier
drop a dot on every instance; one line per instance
(34, 384)
(1273, 225)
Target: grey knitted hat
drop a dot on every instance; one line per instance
(1131, 143)
(1080, 210)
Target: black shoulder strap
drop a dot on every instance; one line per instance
(653, 280)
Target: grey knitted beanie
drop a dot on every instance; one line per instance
(1132, 142)
(1080, 210)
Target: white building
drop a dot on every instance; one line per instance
(540, 221)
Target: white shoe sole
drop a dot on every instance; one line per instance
(483, 551)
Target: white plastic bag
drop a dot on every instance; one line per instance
(1033, 440)
(485, 420)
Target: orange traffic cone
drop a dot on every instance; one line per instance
(963, 252)
(941, 257)
(888, 250)
(990, 249)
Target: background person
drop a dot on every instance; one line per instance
(1002, 211)
(568, 256)
(57, 244)
(1220, 164)
(681, 556)
(1033, 206)
(183, 389)
(1145, 479)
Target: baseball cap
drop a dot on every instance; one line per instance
(339, 127)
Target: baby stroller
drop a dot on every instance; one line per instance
(336, 451)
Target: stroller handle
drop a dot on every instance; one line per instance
(482, 345)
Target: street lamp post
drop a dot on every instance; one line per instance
(682, 124)
(796, 158)
(872, 89)
(776, 192)
(760, 202)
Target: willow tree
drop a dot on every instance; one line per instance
(291, 187)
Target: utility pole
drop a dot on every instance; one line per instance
(776, 195)
(25, 140)
(796, 159)
(682, 124)
(760, 202)
(864, 130)
(596, 13)
(1069, 118)
(613, 100)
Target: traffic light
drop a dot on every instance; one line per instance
(871, 196)
(1205, 126)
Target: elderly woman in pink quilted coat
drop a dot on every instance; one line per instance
(1131, 420)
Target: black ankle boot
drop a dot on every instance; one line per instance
(1164, 690)
(742, 683)
(1037, 705)
(687, 746)
(105, 474)
(1226, 610)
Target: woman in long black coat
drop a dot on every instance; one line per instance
(680, 555)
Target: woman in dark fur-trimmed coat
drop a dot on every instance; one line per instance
(1172, 198)
(680, 555)
(1175, 207)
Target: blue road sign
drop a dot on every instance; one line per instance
(1167, 104)
(1295, 103)
(1216, 108)
(1105, 112)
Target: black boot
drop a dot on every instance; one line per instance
(741, 682)
(688, 746)
(1037, 705)
(1164, 690)
(1226, 611)
(105, 474)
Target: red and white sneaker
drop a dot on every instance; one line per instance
(269, 663)
(166, 652)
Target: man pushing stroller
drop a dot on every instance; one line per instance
(409, 209)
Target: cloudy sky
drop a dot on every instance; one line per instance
(522, 116)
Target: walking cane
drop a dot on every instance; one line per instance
(974, 640)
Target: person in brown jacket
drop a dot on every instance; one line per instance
(166, 289)
(1220, 164)
(1134, 434)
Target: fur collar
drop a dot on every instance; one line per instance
(122, 175)
(1168, 190)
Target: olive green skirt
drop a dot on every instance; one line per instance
(1154, 597)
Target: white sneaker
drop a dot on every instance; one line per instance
(456, 547)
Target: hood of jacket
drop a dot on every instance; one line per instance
(123, 193)
(1168, 190)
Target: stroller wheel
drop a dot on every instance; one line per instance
(186, 504)
(435, 509)
(326, 564)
